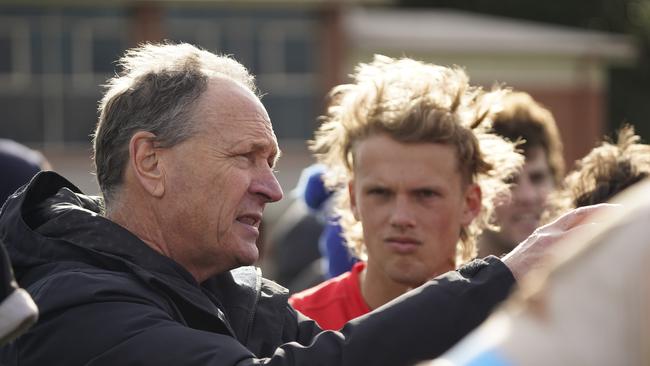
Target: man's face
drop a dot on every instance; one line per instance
(218, 182)
(412, 203)
(519, 216)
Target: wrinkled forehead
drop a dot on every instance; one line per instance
(230, 110)
(228, 100)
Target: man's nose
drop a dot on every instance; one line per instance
(402, 214)
(267, 186)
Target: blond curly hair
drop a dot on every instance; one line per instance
(607, 170)
(412, 102)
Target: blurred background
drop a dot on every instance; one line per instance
(586, 60)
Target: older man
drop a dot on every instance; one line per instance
(155, 273)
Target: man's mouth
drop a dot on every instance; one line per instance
(402, 244)
(250, 219)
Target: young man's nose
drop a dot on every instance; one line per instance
(525, 191)
(402, 214)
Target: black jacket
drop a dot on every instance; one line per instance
(106, 298)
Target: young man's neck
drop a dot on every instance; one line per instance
(377, 289)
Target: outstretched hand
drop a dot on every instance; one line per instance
(529, 253)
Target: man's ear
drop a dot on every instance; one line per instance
(473, 203)
(353, 200)
(144, 159)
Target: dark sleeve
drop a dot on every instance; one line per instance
(427, 321)
(417, 326)
(120, 333)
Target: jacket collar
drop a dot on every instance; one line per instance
(50, 220)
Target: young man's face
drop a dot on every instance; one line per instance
(412, 202)
(520, 216)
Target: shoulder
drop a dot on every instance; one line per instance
(75, 285)
(328, 303)
(333, 302)
(98, 308)
(323, 294)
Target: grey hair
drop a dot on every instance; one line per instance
(155, 92)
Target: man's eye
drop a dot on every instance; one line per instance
(248, 157)
(426, 193)
(378, 192)
(538, 178)
(512, 179)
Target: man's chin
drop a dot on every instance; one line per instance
(409, 278)
(248, 256)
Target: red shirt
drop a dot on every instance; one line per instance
(334, 302)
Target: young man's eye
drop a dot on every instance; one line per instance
(426, 193)
(512, 179)
(378, 192)
(538, 178)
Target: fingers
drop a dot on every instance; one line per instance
(575, 217)
(528, 253)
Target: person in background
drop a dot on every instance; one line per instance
(19, 164)
(306, 243)
(334, 251)
(17, 309)
(407, 146)
(607, 170)
(518, 214)
(294, 260)
(588, 305)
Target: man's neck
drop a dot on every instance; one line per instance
(129, 214)
(137, 218)
(377, 289)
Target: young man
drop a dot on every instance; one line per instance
(407, 144)
(522, 119)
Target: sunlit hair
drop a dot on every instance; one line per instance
(521, 118)
(607, 170)
(414, 102)
(156, 92)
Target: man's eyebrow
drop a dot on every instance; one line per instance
(262, 146)
(259, 145)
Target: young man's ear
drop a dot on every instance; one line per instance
(473, 201)
(144, 159)
(353, 200)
